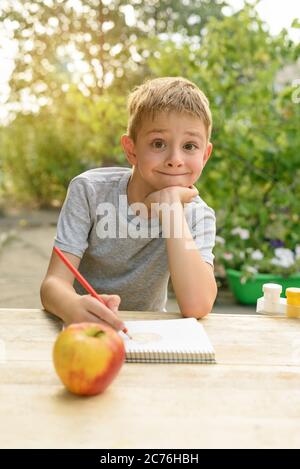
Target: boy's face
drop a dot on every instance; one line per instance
(170, 150)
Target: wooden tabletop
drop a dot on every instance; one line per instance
(251, 398)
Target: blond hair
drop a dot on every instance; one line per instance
(166, 94)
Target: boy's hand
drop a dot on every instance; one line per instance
(170, 195)
(86, 308)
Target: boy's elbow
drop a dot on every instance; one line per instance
(43, 292)
(200, 309)
(197, 312)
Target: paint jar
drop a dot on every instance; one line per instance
(272, 293)
(293, 302)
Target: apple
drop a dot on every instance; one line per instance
(87, 356)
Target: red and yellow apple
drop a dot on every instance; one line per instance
(87, 357)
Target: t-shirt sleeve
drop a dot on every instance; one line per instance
(202, 223)
(75, 220)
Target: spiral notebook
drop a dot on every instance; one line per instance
(168, 341)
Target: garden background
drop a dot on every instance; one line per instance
(65, 109)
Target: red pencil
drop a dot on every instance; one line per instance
(82, 280)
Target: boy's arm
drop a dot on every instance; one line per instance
(57, 293)
(57, 290)
(60, 298)
(192, 278)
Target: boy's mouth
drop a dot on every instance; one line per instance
(168, 174)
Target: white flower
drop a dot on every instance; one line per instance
(284, 258)
(282, 262)
(284, 253)
(243, 234)
(227, 256)
(297, 252)
(242, 255)
(250, 269)
(257, 255)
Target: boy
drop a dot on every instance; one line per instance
(167, 144)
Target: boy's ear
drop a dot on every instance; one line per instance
(128, 147)
(207, 153)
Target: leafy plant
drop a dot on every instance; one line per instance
(253, 177)
(251, 255)
(41, 153)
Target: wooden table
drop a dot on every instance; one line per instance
(251, 398)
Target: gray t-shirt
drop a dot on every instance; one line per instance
(122, 253)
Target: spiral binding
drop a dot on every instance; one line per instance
(175, 356)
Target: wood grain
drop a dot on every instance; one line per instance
(250, 399)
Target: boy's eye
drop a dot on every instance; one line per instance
(191, 145)
(157, 144)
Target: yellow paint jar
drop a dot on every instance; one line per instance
(293, 302)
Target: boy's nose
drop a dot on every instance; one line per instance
(174, 160)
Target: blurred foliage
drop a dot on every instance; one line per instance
(253, 177)
(51, 33)
(42, 152)
(74, 121)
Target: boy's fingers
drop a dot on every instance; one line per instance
(83, 317)
(108, 316)
(90, 317)
(112, 301)
(193, 192)
(194, 189)
(104, 313)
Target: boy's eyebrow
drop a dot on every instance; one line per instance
(188, 132)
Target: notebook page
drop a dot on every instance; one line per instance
(168, 335)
